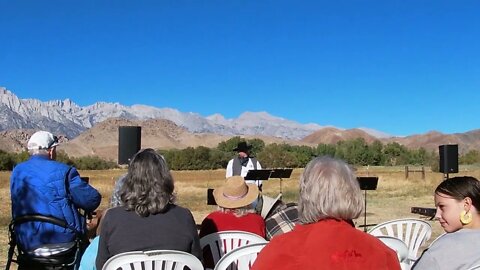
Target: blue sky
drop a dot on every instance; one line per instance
(401, 67)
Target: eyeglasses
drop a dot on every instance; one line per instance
(54, 142)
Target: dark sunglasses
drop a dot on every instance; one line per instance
(55, 140)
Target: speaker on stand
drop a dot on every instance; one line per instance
(448, 159)
(129, 142)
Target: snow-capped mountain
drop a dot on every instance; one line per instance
(68, 118)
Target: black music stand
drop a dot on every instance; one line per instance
(257, 175)
(367, 183)
(281, 173)
(210, 198)
(424, 211)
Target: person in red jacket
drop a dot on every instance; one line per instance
(236, 212)
(329, 197)
(234, 200)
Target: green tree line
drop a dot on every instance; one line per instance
(9, 160)
(356, 152)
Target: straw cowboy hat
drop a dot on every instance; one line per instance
(235, 193)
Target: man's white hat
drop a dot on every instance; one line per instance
(42, 140)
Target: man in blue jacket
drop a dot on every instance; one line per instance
(44, 186)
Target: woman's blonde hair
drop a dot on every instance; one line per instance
(329, 189)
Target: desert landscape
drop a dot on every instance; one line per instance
(393, 198)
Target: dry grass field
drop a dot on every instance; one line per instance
(392, 199)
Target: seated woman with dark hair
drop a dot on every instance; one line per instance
(458, 201)
(147, 218)
(329, 197)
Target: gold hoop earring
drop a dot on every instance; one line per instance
(465, 217)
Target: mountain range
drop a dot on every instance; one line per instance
(66, 117)
(93, 130)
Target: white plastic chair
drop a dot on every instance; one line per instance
(221, 243)
(241, 258)
(413, 232)
(153, 260)
(476, 267)
(397, 245)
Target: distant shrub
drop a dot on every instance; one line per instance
(92, 163)
(6, 161)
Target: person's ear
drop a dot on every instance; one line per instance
(51, 153)
(467, 203)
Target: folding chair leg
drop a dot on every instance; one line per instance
(11, 250)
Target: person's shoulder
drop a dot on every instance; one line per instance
(215, 214)
(114, 211)
(289, 238)
(21, 165)
(181, 213)
(179, 209)
(254, 216)
(59, 165)
(458, 237)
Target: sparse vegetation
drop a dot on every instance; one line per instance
(356, 152)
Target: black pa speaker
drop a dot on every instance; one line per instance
(210, 198)
(129, 142)
(367, 182)
(448, 158)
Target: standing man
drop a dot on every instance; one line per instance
(44, 186)
(242, 163)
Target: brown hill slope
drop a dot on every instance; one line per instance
(15, 140)
(102, 139)
(466, 141)
(331, 135)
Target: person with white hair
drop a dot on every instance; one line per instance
(46, 187)
(329, 198)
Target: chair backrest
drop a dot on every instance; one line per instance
(241, 258)
(397, 245)
(153, 260)
(47, 255)
(414, 232)
(221, 243)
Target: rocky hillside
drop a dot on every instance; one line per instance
(66, 117)
(102, 139)
(466, 141)
(332, 135)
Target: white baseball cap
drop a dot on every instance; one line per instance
(42, 140)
